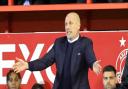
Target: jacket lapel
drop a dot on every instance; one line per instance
(64, 47)
(76, 49)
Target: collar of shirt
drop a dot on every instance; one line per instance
(71, 41)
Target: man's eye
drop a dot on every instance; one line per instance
(70, 23)
(16, 79)
(10, 80)
(105, 78)
(111, 77)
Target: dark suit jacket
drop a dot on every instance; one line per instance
(20, 2)
(3, 2)
(125, 72)
(109, 1)
(66, 1)
(82, 58)
(121, 86)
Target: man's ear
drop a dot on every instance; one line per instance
(79, 25)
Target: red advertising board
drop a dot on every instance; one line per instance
(109, 47)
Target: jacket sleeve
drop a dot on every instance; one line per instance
(47, 60)
(89, 53)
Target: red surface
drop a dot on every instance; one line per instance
(106, 45)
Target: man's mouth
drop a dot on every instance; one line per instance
(69, 32)
(13, 87)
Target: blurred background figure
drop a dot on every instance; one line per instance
(37, 2)
(26, 3)
(109, 1)
(37, 86)
(66, 1)
(30, 2)
(3, 2)
(13, 80)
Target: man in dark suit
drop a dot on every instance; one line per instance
(73, 56)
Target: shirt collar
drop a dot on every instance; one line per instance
(71, 41)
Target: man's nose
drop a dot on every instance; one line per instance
(13, 82)
(67, 26)
(108, 80)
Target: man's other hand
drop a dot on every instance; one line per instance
(20, 65)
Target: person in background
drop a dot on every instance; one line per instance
(13, 80)
(37, 2)
(30, 2)
(37, 86)
(110, 78)
(3, 2)
(66, 1)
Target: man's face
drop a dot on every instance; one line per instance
(72, 26)
(14, 81)
(109, 80)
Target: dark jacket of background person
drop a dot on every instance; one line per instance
(109, 1)
(125, 74)
(66, 1)
(37, 86)
(121, 86)
(20, 2)
(3, 2)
